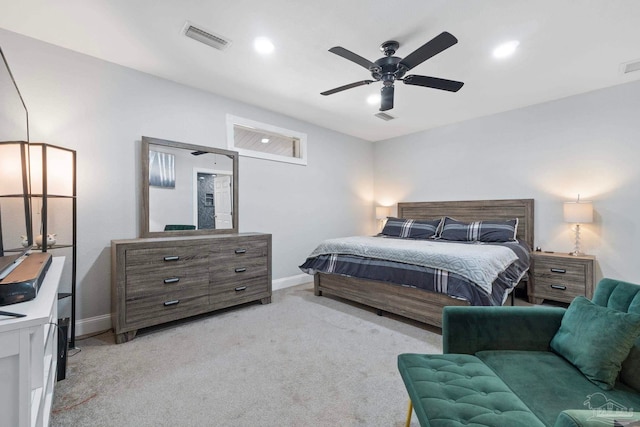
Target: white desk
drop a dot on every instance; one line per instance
(28, 355)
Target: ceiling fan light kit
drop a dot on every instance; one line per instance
(390, 69)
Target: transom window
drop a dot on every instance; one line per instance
(260, 140)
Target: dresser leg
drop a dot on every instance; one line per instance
(266, 300)
(534, 300)
(125, 337)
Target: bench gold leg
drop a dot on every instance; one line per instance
(408, 423)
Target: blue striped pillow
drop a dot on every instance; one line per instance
(479, 231)
(411, 228)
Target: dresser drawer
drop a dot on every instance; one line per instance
(175, 280)
(238, 269)
(558, 290)
(239, 289)
(165, 260)
(160, 308)
(565, 271)
(240, 248)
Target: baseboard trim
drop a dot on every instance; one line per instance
(93, 325)
(287, 282)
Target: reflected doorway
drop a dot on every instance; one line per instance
(206, 205)
(212, 199)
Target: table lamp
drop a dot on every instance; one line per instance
(578, 212)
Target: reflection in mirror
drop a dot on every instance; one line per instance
(14, 118)
(16, 232)
(188, 189)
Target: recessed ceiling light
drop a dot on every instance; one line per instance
(373, 99)
(263, 45)
(506, 49)
(264, 140)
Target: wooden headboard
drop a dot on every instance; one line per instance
(476, 210)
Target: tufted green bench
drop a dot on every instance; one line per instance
(459, 389)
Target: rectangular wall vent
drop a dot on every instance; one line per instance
(384, 116)
(205, 36)
(629, 67)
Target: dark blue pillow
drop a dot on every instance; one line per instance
(479, 231)
(411, 228)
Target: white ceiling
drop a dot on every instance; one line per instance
(566, 47)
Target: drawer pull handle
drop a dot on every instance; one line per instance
(241, 270)
(172, 280)
(558, 270)
(241, 251)
(171, 258)
(173, 302)
(241, 288)
(560, 287)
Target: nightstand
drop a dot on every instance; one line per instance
(560, 277)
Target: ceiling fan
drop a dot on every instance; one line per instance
(390, 69)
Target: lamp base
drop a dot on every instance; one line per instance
(576, 249)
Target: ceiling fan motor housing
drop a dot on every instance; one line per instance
(387, 70)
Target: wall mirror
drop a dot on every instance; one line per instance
(16, 230)
(188, 189)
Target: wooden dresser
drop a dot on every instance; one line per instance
(158, 280)
(560, 277)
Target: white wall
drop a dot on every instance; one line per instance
(102, 110)
(587, 144)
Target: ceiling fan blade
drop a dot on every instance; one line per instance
(433, 82)
(386, 93)
(347, 54)
(431, 48)
(345, 87)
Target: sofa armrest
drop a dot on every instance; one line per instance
(591, 418)
(468, 330)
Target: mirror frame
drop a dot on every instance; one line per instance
(144, 211)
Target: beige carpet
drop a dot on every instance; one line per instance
(299, 361)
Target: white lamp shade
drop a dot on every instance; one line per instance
(578, 212)
(59, 169)
(382, 212)
(11, 169)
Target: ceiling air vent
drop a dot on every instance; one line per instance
(205, 36)
(629, 67)
(384, 116)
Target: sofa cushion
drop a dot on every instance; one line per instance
(458, 389)
(623, 296)
(548, 384)
(596, 340)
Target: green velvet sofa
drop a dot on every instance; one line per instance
(502, 366)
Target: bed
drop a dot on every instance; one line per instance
(412, 302)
